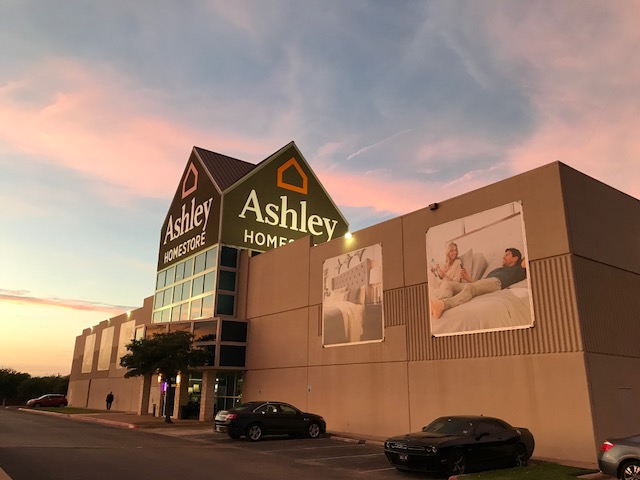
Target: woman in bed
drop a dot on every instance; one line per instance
(451, 272)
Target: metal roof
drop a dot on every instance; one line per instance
(224, 170)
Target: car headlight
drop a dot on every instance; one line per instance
(431, 450)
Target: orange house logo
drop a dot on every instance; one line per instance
(191, 178)
(289, 164)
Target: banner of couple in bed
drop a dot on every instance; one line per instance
(477, 274)
(477, 281)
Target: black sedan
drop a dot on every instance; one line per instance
(455, 445)
(256, 419)
(620, 457)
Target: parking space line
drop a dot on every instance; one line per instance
(377, 470)
(346, 456)
(311, 448)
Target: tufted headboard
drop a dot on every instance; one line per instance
(353, 278)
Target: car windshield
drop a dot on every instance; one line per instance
(449, 426)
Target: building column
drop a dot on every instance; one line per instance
(143, 401)
(208, 397)
(181, 395)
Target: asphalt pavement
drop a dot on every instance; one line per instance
(191, 428)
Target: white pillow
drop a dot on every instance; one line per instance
(479, 266)
(521, 284)
(467, 260)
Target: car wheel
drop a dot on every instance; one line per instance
(254, 432)
(36, 405)
(630, 470)
(457, 463)
(313, 430)
(520, 458)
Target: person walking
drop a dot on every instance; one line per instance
(109, 400)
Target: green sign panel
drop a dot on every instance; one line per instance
(280, 201)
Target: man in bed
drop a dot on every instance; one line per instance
(512, 271)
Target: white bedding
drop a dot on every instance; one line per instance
(352, 317)
(504, 310)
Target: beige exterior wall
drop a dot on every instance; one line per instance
(531, 377)
(530, 391)
(604, 228)
(90, 389)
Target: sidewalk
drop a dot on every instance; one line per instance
(126, 420)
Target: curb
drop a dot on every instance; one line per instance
(81, 418)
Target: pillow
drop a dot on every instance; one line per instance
(352, 295)
(521, 284)
(362, 295)
(467, 261)
(337, 296)
(479, 266)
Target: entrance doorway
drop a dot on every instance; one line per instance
(228, 390)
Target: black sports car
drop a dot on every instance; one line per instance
(455, 445)
(256, 419)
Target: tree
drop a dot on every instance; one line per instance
(10, 380)
(33, 387)
(165, 353)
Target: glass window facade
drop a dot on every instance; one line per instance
(198, 288)
(185, 291)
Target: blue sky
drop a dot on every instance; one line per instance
(395, 105)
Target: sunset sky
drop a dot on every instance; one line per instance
(394, 104)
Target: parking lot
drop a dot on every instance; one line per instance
(343, 455)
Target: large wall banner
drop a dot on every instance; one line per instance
(352, 298)
(477, 273)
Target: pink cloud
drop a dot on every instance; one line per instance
(21, 297)
(582, 83)
(92, 121)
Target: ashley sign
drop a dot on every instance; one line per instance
(282, 215)
(193, 216)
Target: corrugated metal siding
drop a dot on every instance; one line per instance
(556, 327)
(224, 170)
(608, 312)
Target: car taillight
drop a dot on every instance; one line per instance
(606, 446)
(231, 416)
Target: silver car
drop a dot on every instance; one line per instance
(620, 457)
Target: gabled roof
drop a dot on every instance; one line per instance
(224, 170)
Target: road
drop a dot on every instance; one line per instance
(39, 447)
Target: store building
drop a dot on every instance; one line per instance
(345, 327)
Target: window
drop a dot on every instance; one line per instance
(209, 281)
(207, 306)
(198, 285)
(160, 281)
(229, 257)
(179, 271)
(177, 285)
(205, 331)
(232, 355)
(188, 268)
(233, 331)
(171, 276)
(227, 281)
(154, 330)
(196, 309)
(225, 304)
(288, 409)
(200, 263)
(212, 258)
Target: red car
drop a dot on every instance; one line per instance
(49, 400)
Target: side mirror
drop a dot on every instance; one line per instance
(481, 433)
